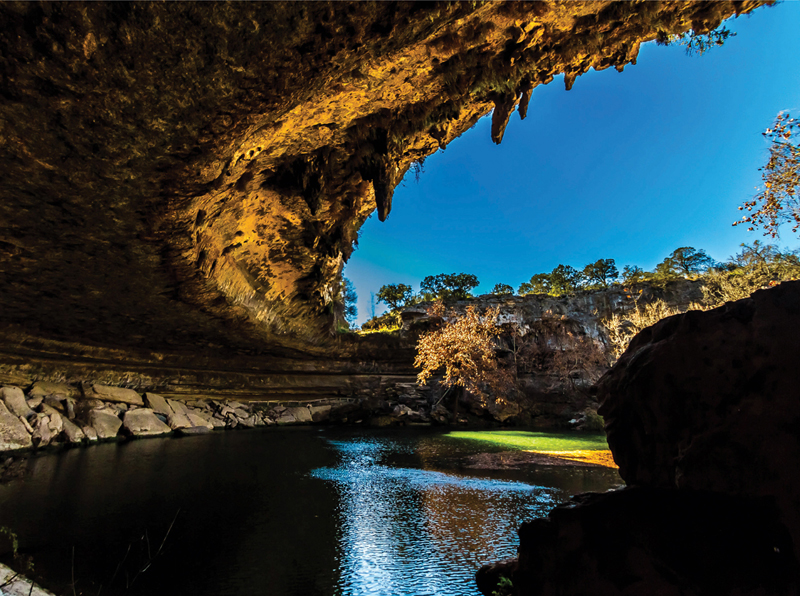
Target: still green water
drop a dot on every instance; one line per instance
(280, 512)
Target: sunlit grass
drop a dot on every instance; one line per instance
(536, 441)
(589, 448)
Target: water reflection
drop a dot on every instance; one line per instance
(405, 530)
(283, 512)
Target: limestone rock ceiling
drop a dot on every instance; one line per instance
(194, 175)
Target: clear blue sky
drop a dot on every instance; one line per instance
(627, 166)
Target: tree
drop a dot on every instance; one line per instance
(777, 203)
(395, 296)
(464, 349)
(349, 300)
(756, 266)
(449, 286)
(502, 290)
(601, 272)
(631, 274)
(539, 284)
(564, 279)
(685, 261)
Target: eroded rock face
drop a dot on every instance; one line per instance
(709, 400)
(186, 176)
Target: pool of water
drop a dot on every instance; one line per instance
(293, 511)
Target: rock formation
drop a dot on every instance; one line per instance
(709, 401)
(701, 415)
(190, 178)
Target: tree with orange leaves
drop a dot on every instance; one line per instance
(464, 349)
(777, 202)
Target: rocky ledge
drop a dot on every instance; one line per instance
(56, 413)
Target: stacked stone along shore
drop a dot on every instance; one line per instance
(53, 413)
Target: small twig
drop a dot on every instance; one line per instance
(168, 531)
(149, 562)
(73, 571)
(9, 581)
(113, 577)
(443, 396)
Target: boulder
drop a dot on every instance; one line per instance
(142, 422)
(15, 402)
(157, 403)
(54, 402)
(301, 413)
(241, 413)
(193, 430)
(179, 416)
(709, 401)
(115, 394)
(71, 432)
(642, 541)
(105, 423)
(197, 420)
(89, 432)
(13, 434)
(42, 435)
(54, 422)
(285, 417)
(320, 413)
(43, 388)
(69, 407)
(33, 402)
(178, 406)
(208, 419)
(178, 420)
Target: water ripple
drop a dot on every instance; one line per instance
(409, 531)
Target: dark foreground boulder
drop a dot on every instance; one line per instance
(702, 414)
(650, 541)
(711, 401)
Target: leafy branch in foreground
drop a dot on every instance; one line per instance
(696, 43)
(777, 202)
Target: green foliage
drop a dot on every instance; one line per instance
(26, 562)
(539, 284)
(696, 43)
(631, 274)
(349, 300)
(600, 273)
(386, 323)
(505, 587)
(757, 266)
(565, 280)
(449, 286)
(395, 296)
(684, 261)
(778, 202)
(502, 290)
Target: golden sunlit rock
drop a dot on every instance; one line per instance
(182, 176)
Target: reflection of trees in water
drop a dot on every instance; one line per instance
(416, 531)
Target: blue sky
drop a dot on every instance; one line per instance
(627, 166)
